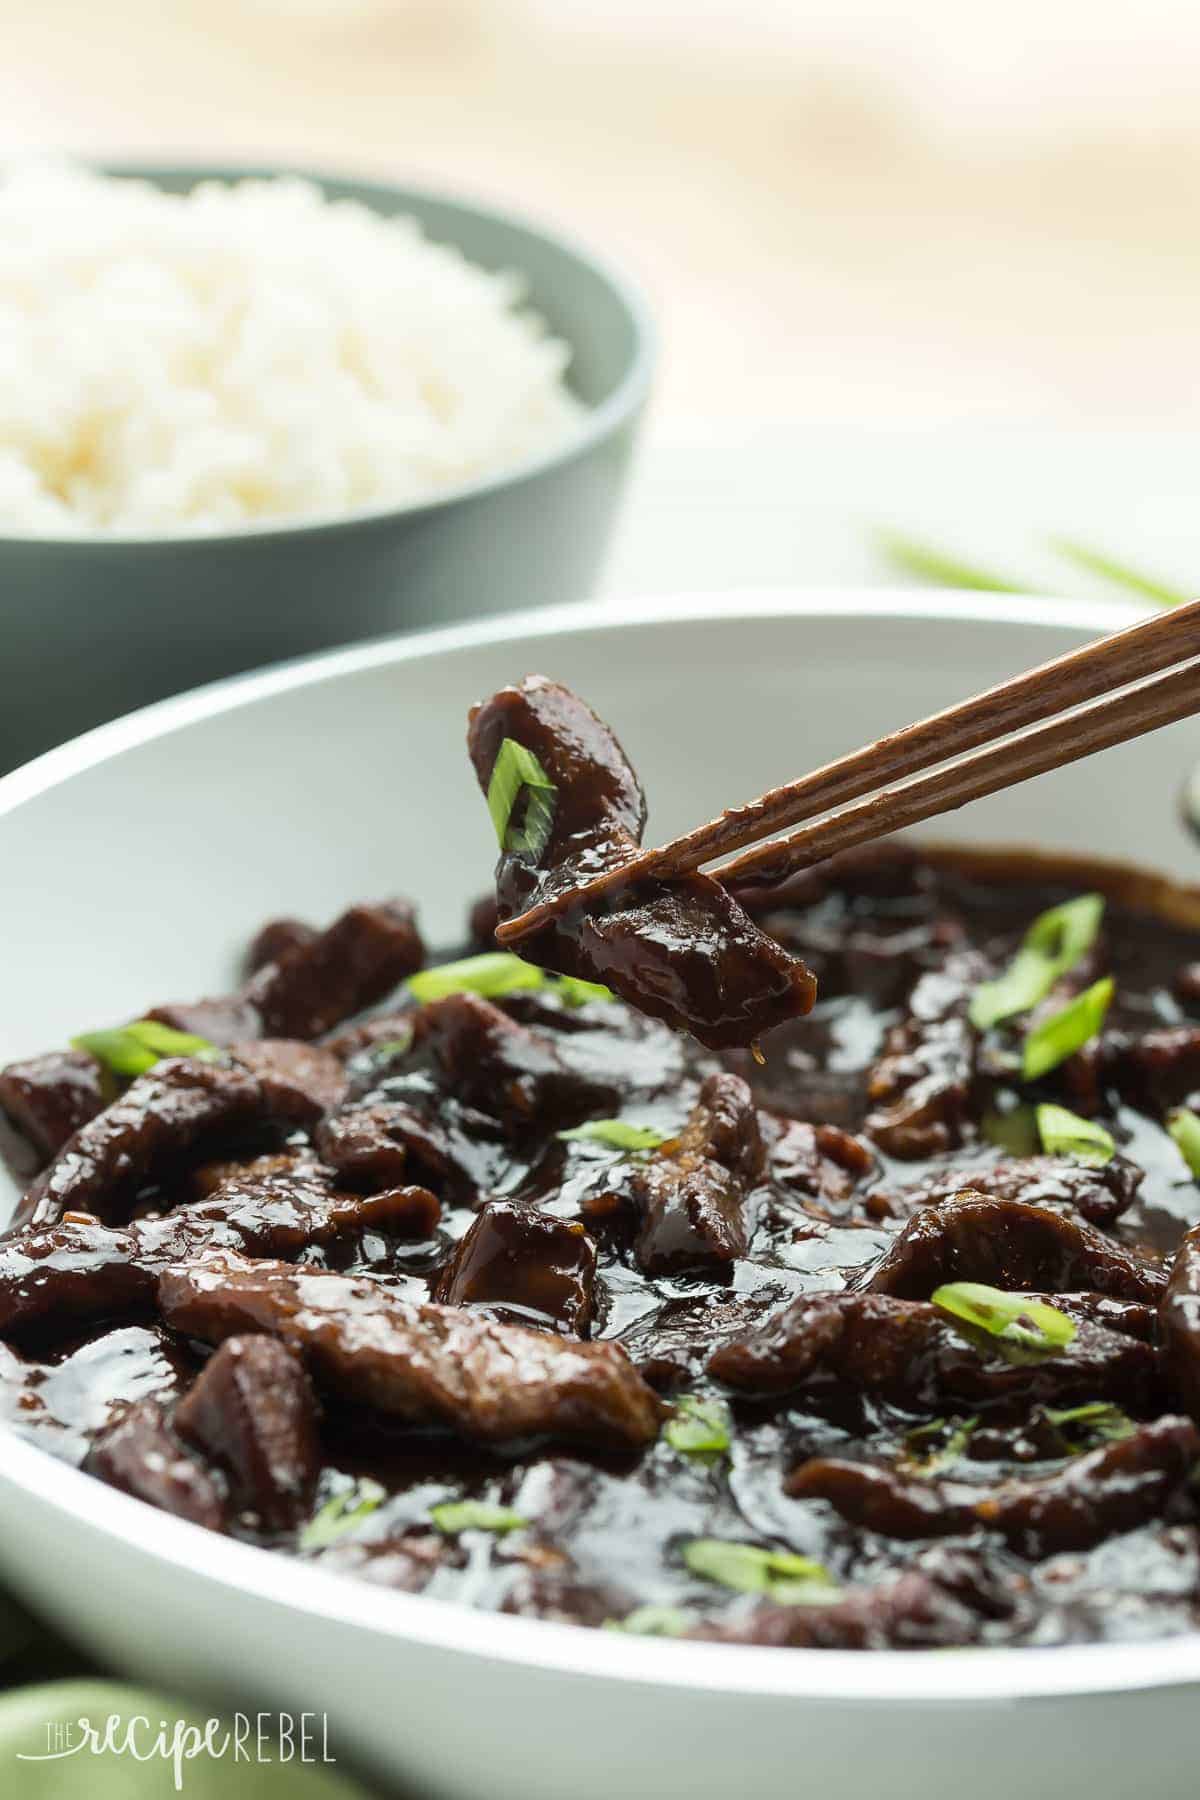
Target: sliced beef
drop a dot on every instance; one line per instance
(298, 1080)
(515, 1257)
(879, 1499)
(683, 950)
(910, 1613)
(1157, 1070)
(1099, 1195)
(432, 1365)
(381, 1142)
(905, 1352)
(54, 1275)
(690, 1196)
(671, 1345)
(1097, 1495)
(49, 1097)
(504, 1069)
(313, 985)
(139, 1453)
(177, 1109)
(1179, 1323)
(354, 964)
(1009, 1244)
(276, 940)
(253, 1412)
(920, 1090)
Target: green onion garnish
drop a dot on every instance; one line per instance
(1065, 1032)
(517, 771)
(132, 1049)
(618, 1134)
(699, 1426)
(1064, 1133)
(1016, 1318)
(1053, 944)
(1014, 1131)
(651, 1621)
(937, 1461)
(792, 1580)
(1184, 1127)
(494, 974)
(453, 1516)
(1101, 1422)
(341, 1514)
(1121, 574)
(931, 564)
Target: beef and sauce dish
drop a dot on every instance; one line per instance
(815, 1266)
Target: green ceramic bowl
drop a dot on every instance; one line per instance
(92, 627)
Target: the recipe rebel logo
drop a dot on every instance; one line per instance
(264, 1737)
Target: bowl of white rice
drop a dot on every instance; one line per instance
(247, 414)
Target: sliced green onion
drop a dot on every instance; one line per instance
(1015, 1131)
(651, 1621)
(792, 1580)
(931, 564)
(495, 973)
(518, 772)
(453, 1516)
(1064, 1133)
(341, 1514)
(1119, 573)
(575, 991)
(1017, 1318)
(699, 1426)
(1054, 943)
(1100, 1421)
(1184, 1127)
(1065, 1032)
(944, 1457)
(132, 1049)
(618, 1134)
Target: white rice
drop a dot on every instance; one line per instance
(248, 352)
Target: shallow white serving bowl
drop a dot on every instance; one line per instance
(138, 859)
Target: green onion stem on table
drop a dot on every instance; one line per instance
(944, 568)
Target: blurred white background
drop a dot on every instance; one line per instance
(918, 209)
(911, 214)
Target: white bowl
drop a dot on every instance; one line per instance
(140, 857)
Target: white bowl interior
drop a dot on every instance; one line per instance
(137, 861)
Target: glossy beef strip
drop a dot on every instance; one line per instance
(431, 1364)
(905, 1352)
(49, 1097)
(514, 1074)
(515, 1257)
(54, 1275)
(252, 1411)
(1008, 1244)
(683, 951)
(299, 1081)
(910, 1613)
(1179, 1323)
(1099, 1195)
(882, 1500)
(178, 1109)
(315, 983)
(690, 1196)
(920, 1090)
(383, 1142)
(275, 940)
(1109, 1490)
(139, 1453)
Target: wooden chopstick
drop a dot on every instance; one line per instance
(1163, 700)
(1069, 681)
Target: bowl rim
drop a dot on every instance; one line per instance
(890, 1677)
(596, 425)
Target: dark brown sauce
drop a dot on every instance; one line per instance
(607, 1528)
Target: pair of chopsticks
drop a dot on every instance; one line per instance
(1092, 699)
